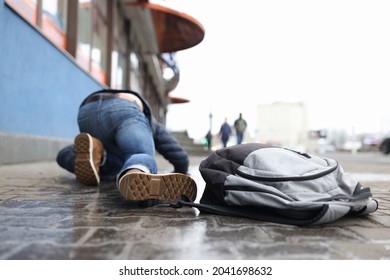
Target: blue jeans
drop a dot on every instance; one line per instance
(125, 133)
(240, 137)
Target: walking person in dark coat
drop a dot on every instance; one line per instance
(209, 138)
(225, 132)
(240, 127)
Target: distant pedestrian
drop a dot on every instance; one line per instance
(240, 127)
(209, 138)
(225, 132)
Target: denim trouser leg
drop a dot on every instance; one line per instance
(240, 137)
(134, 139)
(124, 131)
(66, 158)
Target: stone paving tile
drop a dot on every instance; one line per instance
(381, 220)
(46, 214)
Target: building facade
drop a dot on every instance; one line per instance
(283, 124)
(53, 53)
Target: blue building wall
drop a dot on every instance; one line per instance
(40, 86)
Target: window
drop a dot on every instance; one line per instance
(47, 15)
(99, 41)
(92, 37)
(135, 79)
(84, 35)
(53, 23)
(135, 65)
(118, 55)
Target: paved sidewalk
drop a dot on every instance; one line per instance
(46, 214)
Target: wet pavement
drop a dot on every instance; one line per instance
(46, 214)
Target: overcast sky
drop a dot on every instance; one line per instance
(332, 55)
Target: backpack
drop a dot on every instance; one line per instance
(279, 185)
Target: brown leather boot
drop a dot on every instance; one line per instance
(137, 185)
(89, 154)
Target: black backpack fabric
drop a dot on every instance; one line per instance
(279, 185)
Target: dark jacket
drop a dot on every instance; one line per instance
(165, 143)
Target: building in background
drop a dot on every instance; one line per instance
(53, 53)
(283, 124)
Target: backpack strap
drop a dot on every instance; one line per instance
(291, 217)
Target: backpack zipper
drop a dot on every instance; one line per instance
(289, 178)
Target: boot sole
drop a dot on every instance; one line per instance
(165, 187)
(85, 170)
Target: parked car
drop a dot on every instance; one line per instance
(384, 145)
